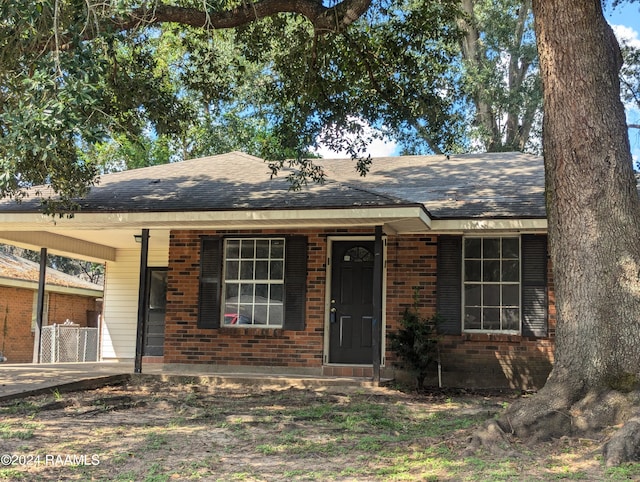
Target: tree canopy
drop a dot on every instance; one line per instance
(90, 87)
(95, 87)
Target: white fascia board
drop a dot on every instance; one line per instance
(469, 225)
(357, 216)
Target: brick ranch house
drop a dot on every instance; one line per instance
(210, 261)
(66, 298)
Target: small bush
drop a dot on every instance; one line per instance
(416, 344)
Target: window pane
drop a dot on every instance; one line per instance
(262, 249)
(472, 318)
(510, 295)
(262, 293)
(262, 269)
(275, 315)
(491, 248)
(246, 270)
(247, 248)
(260, 315)
(472, 270)
(233, 248)
(510, 319)
(491, 295)
(232, 270)
(231, 293)
(230, 315)
(491, 271)
(491, 318)
(277, 271)
(246, 293)
(245, 314)
(277, 248)
(511, 270)
(277, 293)
(510, 248)
(472, 247)
(472, 295)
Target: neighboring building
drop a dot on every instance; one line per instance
(66, 298)
(245, 275)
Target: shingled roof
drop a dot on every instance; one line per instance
(502, 185)
(16, 268)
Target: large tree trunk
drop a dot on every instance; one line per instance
(594, 233)
(593, 207)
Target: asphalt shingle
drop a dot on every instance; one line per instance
(465, 186)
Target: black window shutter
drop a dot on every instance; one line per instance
(534, 285)
(210, 281)
(295, 283)
(449, 284)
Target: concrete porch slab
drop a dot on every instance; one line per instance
(22, 380)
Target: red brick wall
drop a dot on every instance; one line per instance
(467, 360)
(64, 307)
(16, 306)
(185, 343)
(470, 360)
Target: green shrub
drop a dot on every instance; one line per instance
(416, 344)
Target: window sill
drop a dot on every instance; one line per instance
(480, 336)
(275, 332)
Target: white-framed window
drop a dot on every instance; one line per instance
(491, 278)
(253, 282)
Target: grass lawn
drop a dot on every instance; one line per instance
(149, 430)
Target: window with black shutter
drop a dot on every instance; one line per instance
(492, 284)
(253, 282)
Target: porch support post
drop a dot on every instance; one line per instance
(40, 305)
(377, 304)
(142, 290)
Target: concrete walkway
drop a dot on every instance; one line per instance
(21, 380)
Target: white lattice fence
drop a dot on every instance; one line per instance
(68, 343)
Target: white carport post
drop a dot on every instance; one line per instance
(40, 305)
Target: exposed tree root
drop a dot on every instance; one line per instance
(624, 445)
(556, 411)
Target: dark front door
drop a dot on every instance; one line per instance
(156, 308)
(350, 323)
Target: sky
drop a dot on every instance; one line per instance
(625, 21)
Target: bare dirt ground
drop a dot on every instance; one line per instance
(149, 430)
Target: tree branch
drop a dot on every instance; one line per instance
(324, 19)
